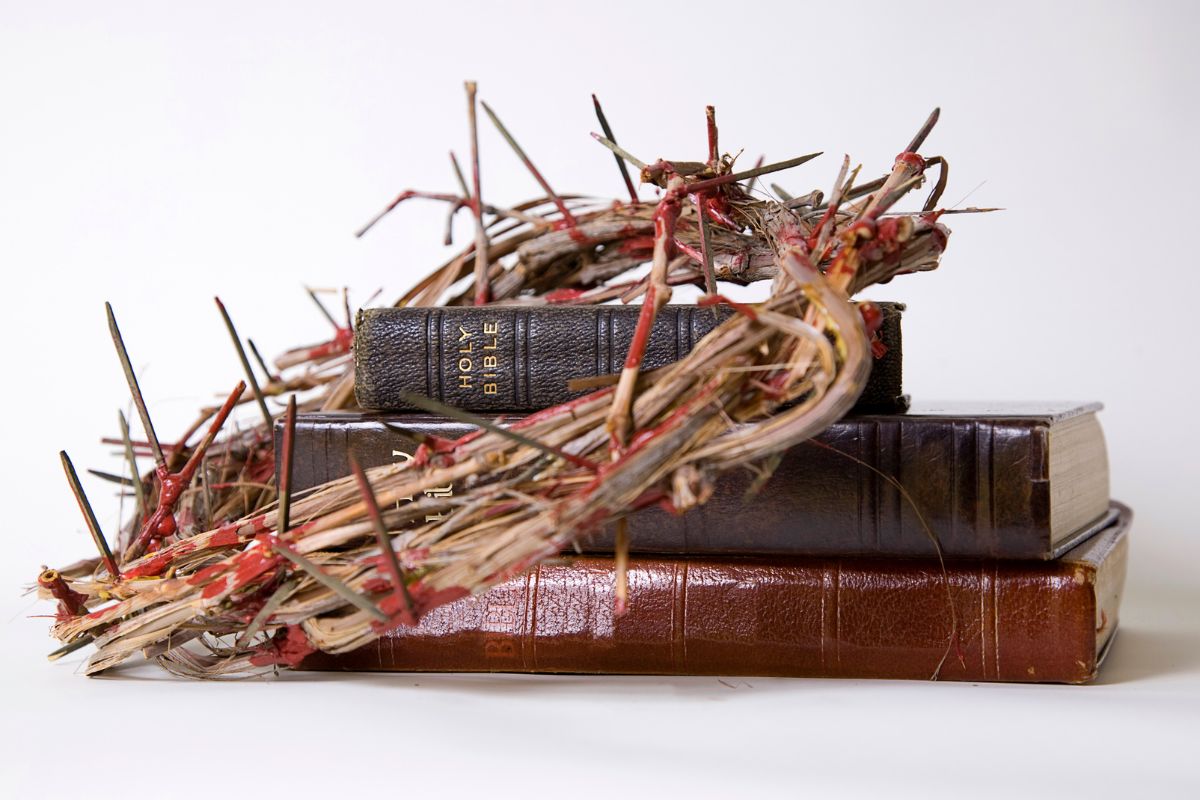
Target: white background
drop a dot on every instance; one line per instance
(155, 155)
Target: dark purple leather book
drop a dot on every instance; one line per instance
(514, 358)
(1013, 482)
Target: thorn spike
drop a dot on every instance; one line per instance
(138, 489)
(193, 463)
(750, 183)
(135, 390)
(71, 647)
(537, 175)
(89, 516)
(482, 289)
(262, 363)
(458, 176)
(923, 133)
(620, 151)
(285, 467)
(633, 195)
(330, 582)
(385, 544)
(710, 117)
(241, 353)
(710, 277)
(734, 177)
(436, 407)
(324, 311)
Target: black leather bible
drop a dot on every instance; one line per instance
(514, 358)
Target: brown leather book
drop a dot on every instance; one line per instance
(521, 358)
(1038, 622)
(991, 481)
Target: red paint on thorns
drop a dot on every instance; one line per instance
(641, 334)
(425, 598)
(689, 251)
(289, 646)
(227, 536)
(341, 343)
(720, 299)
(911, 160)
(208, 573)
(252, 563)
(215, 588)
(396, 608)
(872, 317)
(636, 245)
(150, 567)
(70, 602)
(568, 406)
(161, 523)
(377, 585)
(563, 295)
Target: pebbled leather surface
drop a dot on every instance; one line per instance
(1044, 622)
(513, 358)
(980, 481)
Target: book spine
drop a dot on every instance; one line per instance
(509, 358)
(850, 618)
(978, 484)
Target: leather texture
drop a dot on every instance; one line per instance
(978, 475)
(1045, 622)
(514, 358)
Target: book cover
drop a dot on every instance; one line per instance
(521, 358)
(973, 620)
(989, 481)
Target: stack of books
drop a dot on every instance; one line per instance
(965, 542)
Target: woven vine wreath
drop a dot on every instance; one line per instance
(220, 573)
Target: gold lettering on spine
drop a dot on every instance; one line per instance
(465, 347)
(437, 491)
(490, 362)
(469, 360)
